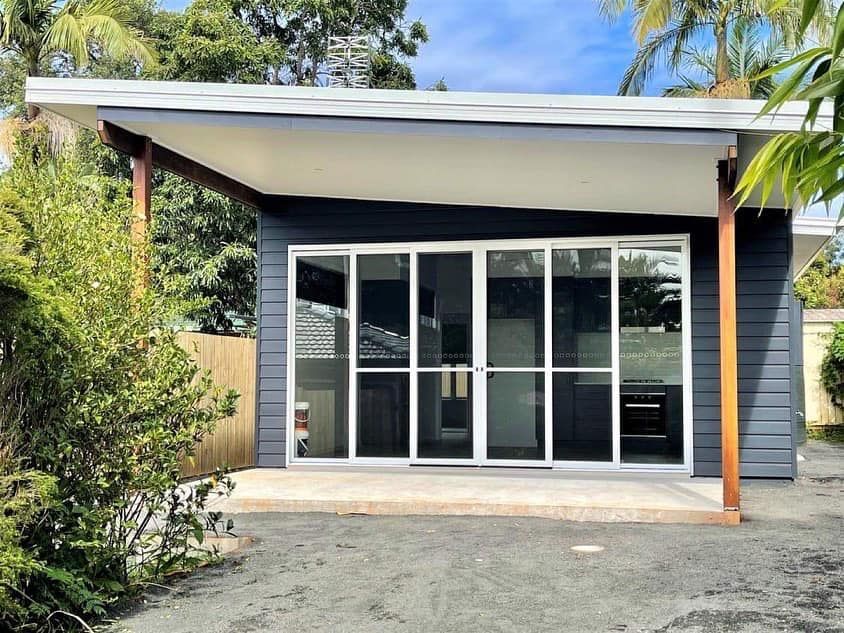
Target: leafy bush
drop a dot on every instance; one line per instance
(832, 367)
(98, 403)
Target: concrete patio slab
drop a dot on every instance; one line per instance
(600, 497)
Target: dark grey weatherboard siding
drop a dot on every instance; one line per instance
(763, 255)
(763, 304)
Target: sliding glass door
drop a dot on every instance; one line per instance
(565, 353)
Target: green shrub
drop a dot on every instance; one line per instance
(832, 367)
(98, 403)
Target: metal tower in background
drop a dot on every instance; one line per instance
(348, 61)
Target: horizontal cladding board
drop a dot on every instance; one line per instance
(746, 315)
(276, 284)
(746, 427)
(267, 408)
(743, 301)
(758, 259)
(273, 358)
(745, 344)
(271, 460)
(751, 414)
(764, 359)
(768, 273)
(272, 384)
(278, 308)
(271, 435)
(754, 398)
(710, 288)
(273, 371)
(278, 259)
(270, 421)
(749, 372)
(272, 396)
(269, 321)
(273, 334)
(746, 387)
(744, 329)
(713, 440)
(747, 455)
(274, 270)
(271, 447)
(773, 471)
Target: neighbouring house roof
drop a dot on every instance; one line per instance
(560, 152)
(316, 336)
(827, 315)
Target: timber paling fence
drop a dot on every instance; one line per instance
(820, 410)
(231, 361)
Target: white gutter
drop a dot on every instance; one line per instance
(655, 112)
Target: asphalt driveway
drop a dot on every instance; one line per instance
(781, 570)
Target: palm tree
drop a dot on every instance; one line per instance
(40, 30)
(749, 54)
(664, 30)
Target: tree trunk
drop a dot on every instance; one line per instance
(32, 70)
(722, 56)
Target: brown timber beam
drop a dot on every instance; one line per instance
(130, 143)
(728, 328)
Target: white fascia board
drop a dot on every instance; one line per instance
(806, 225)
(724, 114)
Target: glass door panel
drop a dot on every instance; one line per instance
(515, 415)
(516, 308)
(515, 350)
(445, 335)
(583, 429)
(581, 307)
(383, 356)
(445, 415)
(321, 351)
(651, 354)
(581, 348)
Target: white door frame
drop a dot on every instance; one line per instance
(479, 249)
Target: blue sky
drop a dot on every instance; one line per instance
(554, 46)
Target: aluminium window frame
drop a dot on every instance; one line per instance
(479, 249)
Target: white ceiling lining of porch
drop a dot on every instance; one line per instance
(542, 167)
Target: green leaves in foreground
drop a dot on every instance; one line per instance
(811, 161)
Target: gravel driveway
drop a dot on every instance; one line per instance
(781, 570)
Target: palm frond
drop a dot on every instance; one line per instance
(611, 9)
(650, 16)
(688, 88)
(67, 33)
(658, 47)
(105, 23)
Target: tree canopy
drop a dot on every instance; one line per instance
(37, 32)
(667, 30)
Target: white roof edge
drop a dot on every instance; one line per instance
(729, 114)
(808, 225)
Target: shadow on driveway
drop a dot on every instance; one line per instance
(781, 570)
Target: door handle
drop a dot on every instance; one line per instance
(490, 374)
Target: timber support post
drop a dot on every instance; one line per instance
(728, 332)
(141, 209)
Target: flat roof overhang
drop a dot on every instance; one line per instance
(580, 153)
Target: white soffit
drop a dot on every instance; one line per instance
(809, 236)
(649, 155)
